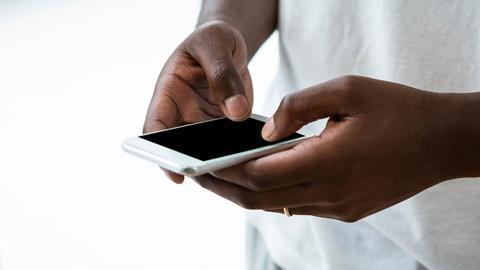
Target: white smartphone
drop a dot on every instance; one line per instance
(207, 146)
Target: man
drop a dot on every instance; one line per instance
(384, 141)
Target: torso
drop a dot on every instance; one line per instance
(434, 47)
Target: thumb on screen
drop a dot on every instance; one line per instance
(299, 109)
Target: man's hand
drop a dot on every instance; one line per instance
(206, 77)
(383, 143)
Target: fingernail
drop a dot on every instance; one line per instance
(237, 106)
(267, 131)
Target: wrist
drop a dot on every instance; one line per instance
(462, 130)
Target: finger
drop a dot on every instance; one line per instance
(301, 108)
(310, 160)
(226, 84)
(266, 174)
(175, 94)
(163, 114)
(176, 178)
(223, 74)
(295, 196)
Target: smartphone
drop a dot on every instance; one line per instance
(207, 146)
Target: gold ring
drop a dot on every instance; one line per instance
(286, 211)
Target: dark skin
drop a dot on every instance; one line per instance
(209, 68)
(384, 142)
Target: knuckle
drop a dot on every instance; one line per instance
(288, 106)
(222, 70)
(348, 86)
(217, 30)
(293, 107)
(215, 34)
(213, 26)
(347, 81)
(288, 103)
(186, 50)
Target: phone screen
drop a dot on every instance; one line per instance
(215, 138)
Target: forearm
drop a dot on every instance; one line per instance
(256, 20)
(464, 131)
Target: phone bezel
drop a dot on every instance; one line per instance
(184, 164)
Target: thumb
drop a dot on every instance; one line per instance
(301, 108)
(226, 83)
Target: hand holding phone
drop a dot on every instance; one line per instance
(207, 146)
(205, 77)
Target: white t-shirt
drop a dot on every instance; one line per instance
(431, 45)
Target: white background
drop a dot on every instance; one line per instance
(75, 80)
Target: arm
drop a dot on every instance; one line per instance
(462, 134)
(256, 20)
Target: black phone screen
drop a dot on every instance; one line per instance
(213, 139)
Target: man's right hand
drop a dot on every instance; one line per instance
(205, 77)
